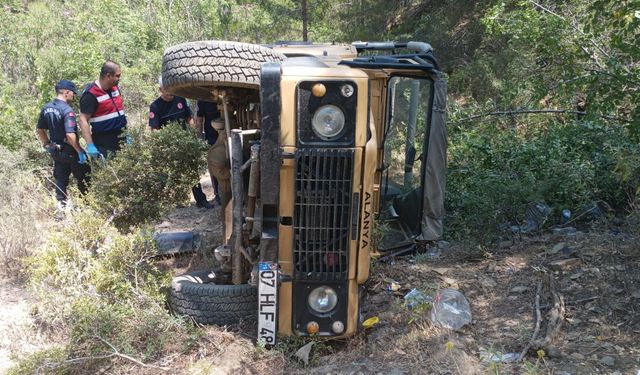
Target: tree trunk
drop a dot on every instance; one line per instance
(305, 20)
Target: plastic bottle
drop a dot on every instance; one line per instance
(416, 298)
(451, 309)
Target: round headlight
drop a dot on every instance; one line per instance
(323, 299)
(328, 121)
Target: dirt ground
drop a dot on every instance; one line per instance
(596, 272)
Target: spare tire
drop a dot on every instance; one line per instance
(196, 295)
(193, 69)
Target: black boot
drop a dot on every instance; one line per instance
(204, 204)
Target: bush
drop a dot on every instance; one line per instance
(49, 361)
(102, 290)
(147, 177)
(495, 171)
(95, 276)
(23, 206)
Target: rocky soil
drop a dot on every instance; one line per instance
(595, 273)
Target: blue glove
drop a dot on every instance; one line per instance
(128, 140)
(82, 157)
(92, 150)
(50, 147)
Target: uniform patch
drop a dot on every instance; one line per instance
(180, 105)
(152, 115)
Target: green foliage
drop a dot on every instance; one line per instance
(103, 289)
(22, 199)
(495, 172)
(572, 55)
(48, 361)
(49, 41)
(147, 177)
(572, 52)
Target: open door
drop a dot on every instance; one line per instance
(412, 196)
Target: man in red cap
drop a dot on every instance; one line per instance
(57, 131)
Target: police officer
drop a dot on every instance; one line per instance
(171, 108)
(102, 117)
(57, 131)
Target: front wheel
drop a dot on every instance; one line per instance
(197, 296)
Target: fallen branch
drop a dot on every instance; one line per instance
(124, 356)
(576, 302)
(555, 317)
(536, 111)
(538, 320)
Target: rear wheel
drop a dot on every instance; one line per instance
(194, 69)
(197, 296)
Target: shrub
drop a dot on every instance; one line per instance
(49, 361)
(147, 177)
(23, 206)
(102, 290)
(496, 171)
(95, 276)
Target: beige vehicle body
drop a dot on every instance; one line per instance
(346, 138)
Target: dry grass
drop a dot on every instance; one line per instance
(26, 209)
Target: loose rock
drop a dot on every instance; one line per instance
(557, 248)
(608, 361)
(519, 289)
(564, 264)
(577, 356)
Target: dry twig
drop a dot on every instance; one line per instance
(124, 356)
(556, 316)
(536, 111)
(538, 320)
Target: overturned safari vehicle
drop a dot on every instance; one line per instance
(324, 146)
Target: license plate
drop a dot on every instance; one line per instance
(267, 302)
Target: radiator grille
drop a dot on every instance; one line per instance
(321, 216)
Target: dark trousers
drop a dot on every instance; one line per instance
(108, 143)
(198, 194)
(65, 163)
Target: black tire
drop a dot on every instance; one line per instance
(195, 295)
(193, 69)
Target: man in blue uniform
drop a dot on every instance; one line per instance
(171, 108)
(206, 113)
(57, 131)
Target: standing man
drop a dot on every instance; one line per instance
(205, 115)
(57, 131)
(101, 106)
(171, 108)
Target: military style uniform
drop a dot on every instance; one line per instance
(161, 112)
(107, 120)
(59, 119)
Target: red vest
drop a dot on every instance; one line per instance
(109, 116)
